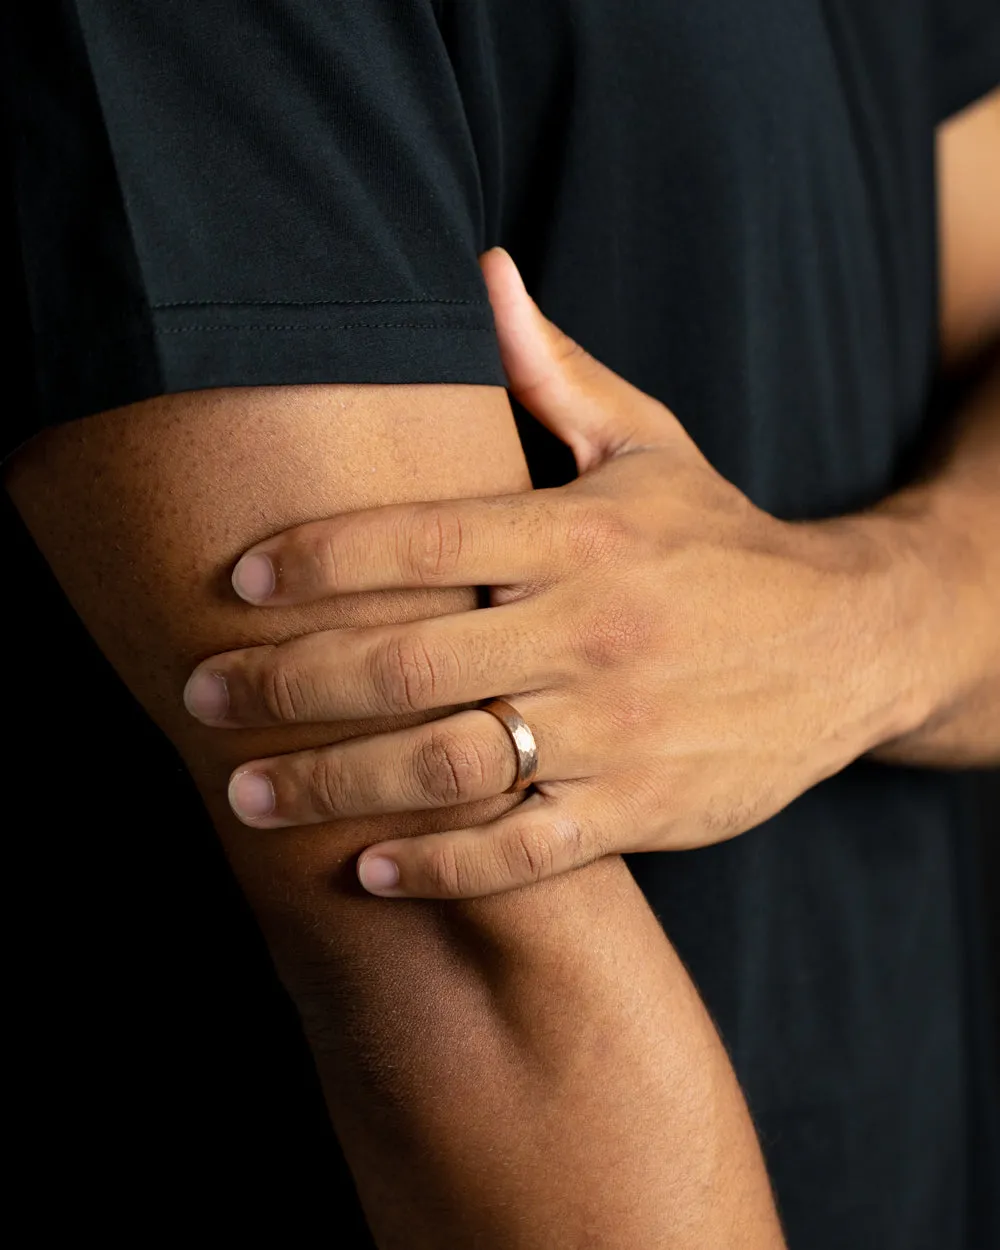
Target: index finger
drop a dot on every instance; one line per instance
(457, 542)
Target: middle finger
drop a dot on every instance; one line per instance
(381, 670)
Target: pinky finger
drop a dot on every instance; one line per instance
(541, 838)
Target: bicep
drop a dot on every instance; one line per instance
(969, 226)
(142, 512)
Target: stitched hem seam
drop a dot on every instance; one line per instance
(306, 303)
(356, 325)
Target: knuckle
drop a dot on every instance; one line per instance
(597, 534)
(614, 633)
(325, 784)
(449, 770)
(321, 557)
(526, 854)
(432, 545)
(570, 354)
(410, 675)
(445, 870)
(282, 692)
(571, 844)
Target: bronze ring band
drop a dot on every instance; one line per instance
(525, 747)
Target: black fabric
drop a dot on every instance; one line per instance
(731, 204)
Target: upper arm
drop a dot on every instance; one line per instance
(142, 512)
(248, 242)
(446, 1035)
(969, 208)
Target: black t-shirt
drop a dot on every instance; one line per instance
(730, 203)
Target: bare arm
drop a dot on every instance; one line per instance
(533, 1070)
(943, 530)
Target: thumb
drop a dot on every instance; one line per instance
(592, 409)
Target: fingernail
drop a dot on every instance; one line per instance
(251, 795)
(253, 578)
(206, 695)
(378, 873)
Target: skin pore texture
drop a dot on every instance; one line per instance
(531, 1070)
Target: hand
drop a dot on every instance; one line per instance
(688, 664)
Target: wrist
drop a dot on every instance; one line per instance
(922, 627)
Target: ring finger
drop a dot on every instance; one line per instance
(458, 759)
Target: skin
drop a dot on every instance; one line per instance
(528, 1072)
(662, 722)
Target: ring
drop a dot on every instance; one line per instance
(525, 746)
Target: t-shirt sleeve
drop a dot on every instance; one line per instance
(966, 50)
(212, 193)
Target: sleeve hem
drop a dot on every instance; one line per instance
(311, 303)
(199, 347)
(969, 68)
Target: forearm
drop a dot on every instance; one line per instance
(533, 1070)
(523, 1071)
(939, 557)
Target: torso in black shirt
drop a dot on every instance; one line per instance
(730, 204)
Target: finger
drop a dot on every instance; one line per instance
(594, 410)
(381, 670)
(569, 825)
(458, 542)
(458, 759)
